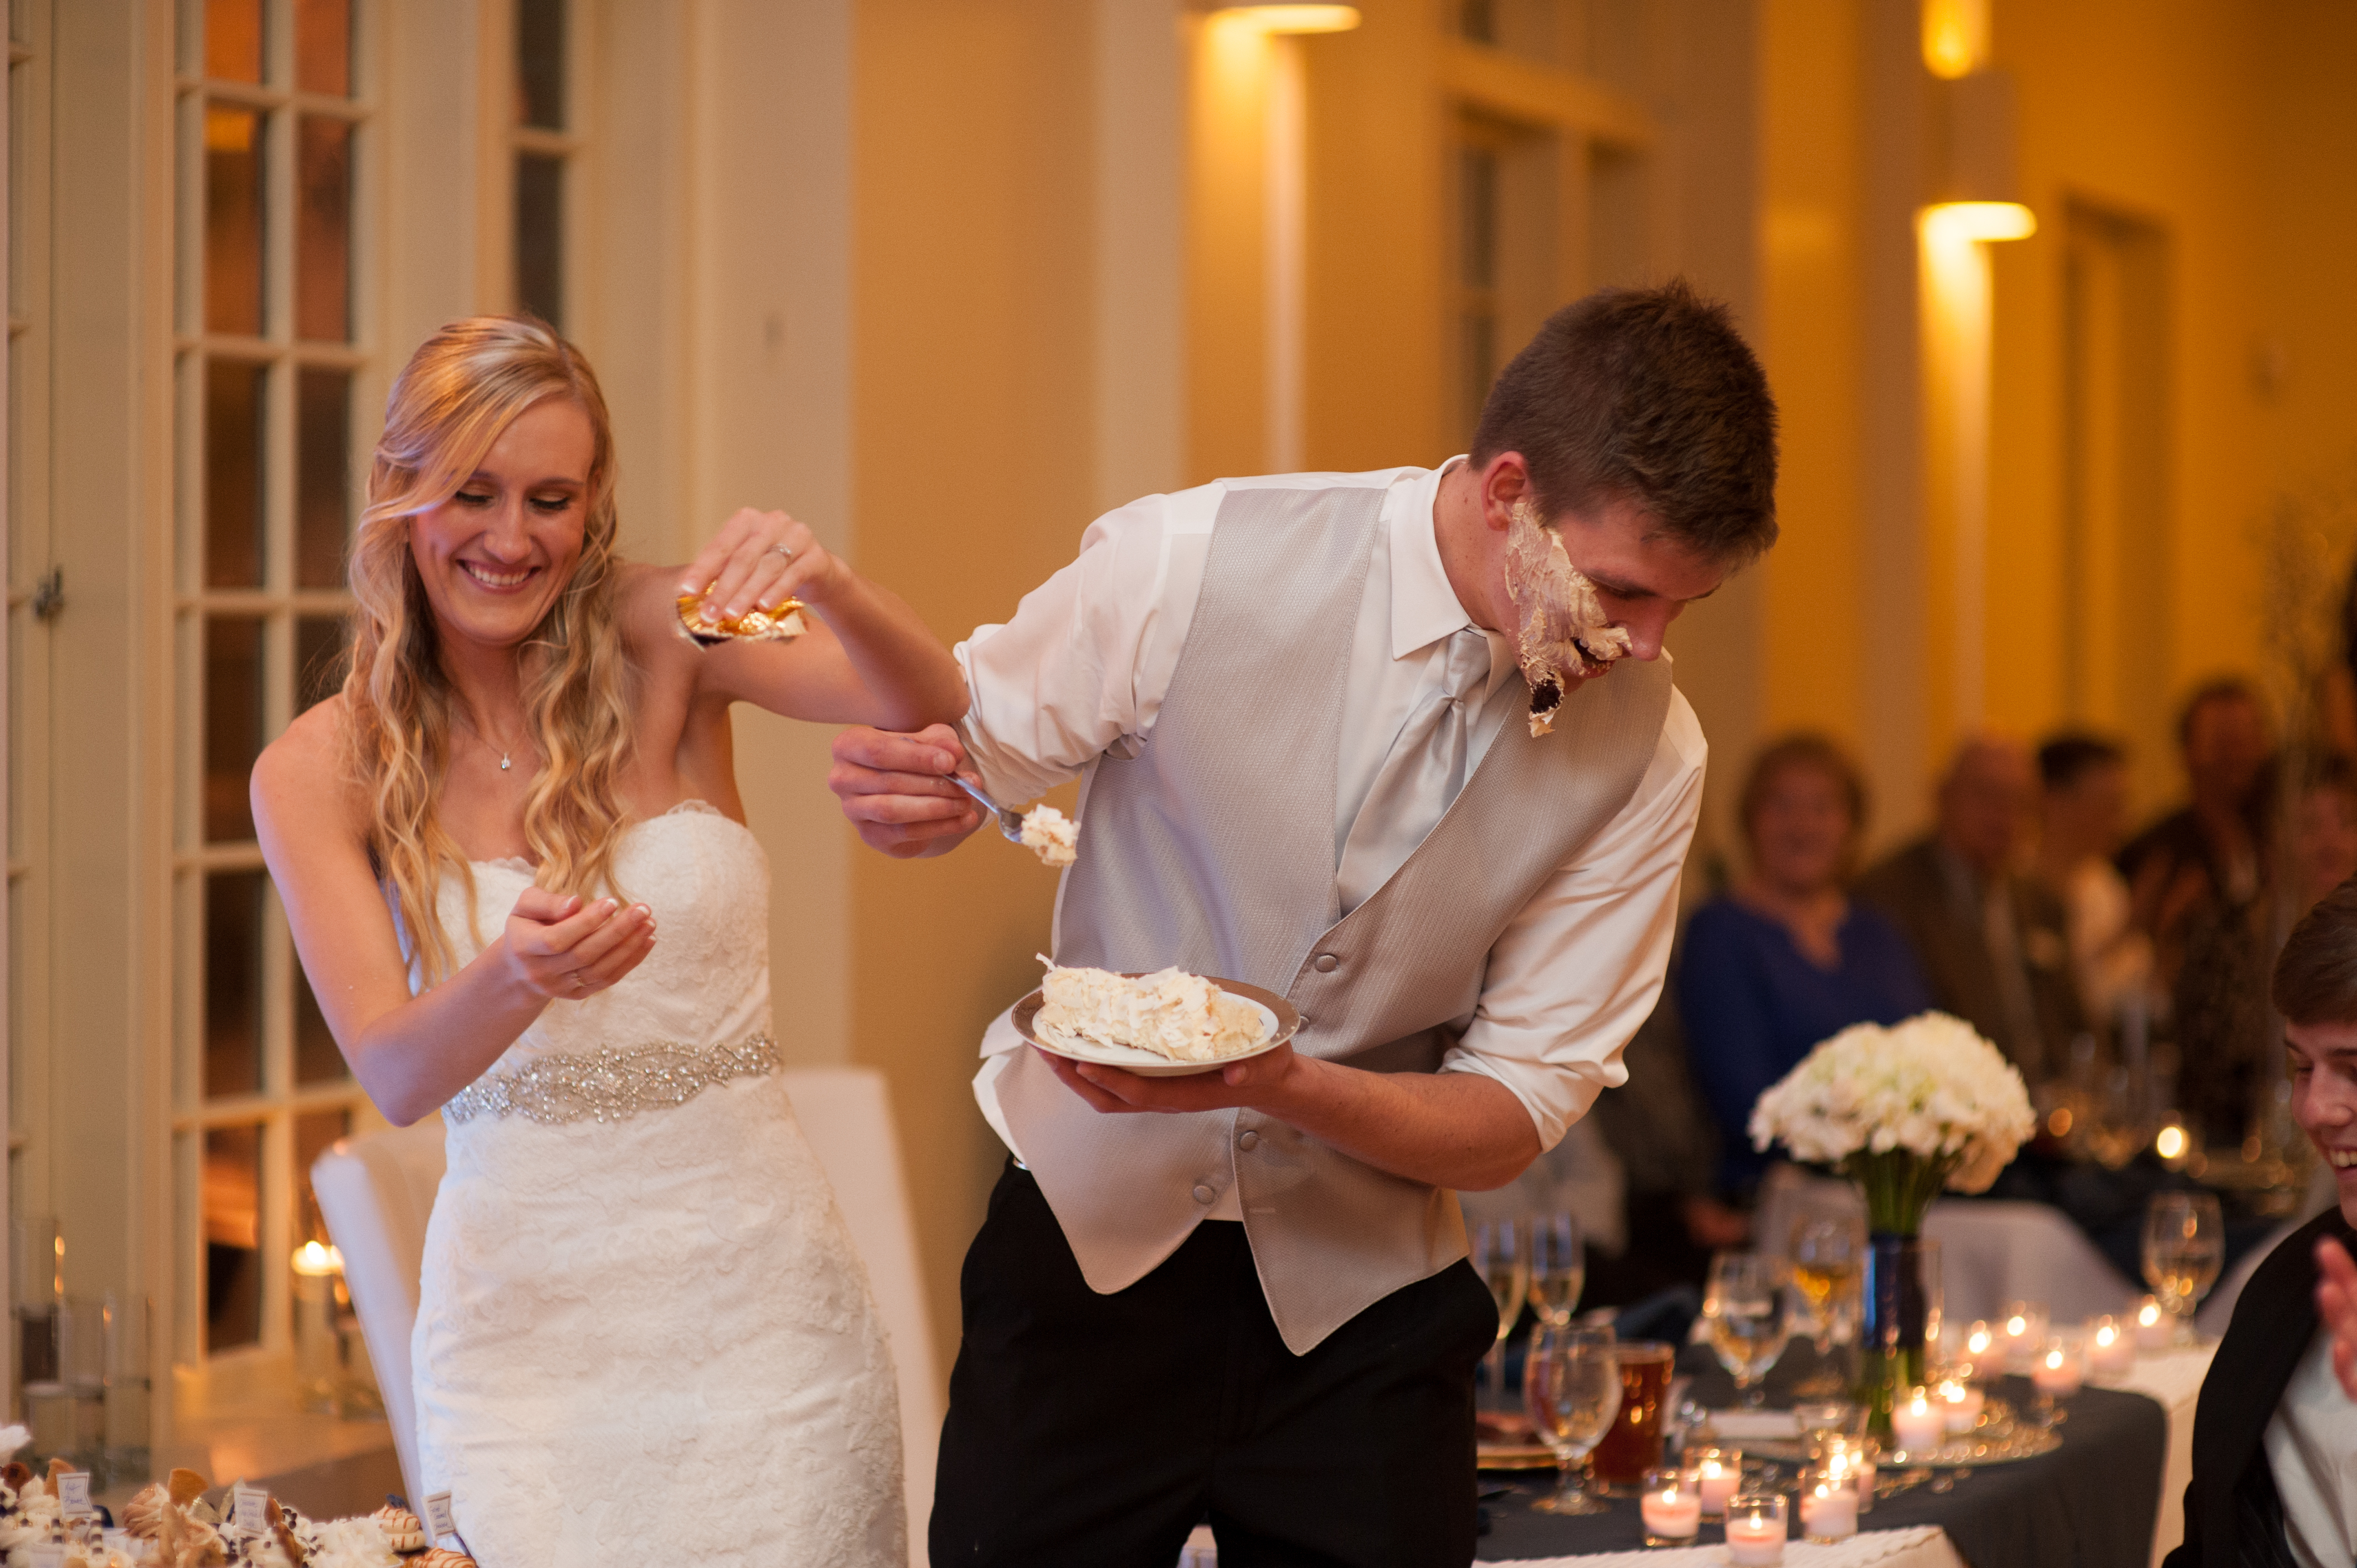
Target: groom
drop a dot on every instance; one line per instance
(1304, 708)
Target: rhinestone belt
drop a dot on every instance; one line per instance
(611, 1082)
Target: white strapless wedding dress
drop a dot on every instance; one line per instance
(643, 1336)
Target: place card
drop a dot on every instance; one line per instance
(250, 1509)
(440, 1524)
(73, 1495)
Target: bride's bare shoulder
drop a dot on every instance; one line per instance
(308, 767)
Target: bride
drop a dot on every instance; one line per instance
(513, 855)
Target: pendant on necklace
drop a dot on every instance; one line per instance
(503, 762)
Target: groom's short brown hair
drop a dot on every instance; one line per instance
(2316, 974)
(1648, 394)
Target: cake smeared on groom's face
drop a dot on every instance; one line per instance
(1560, 631)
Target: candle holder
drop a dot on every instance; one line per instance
(2020, 1331)
(1828, 1505)
(1854, 1456)
(1719, 1475)
(2155, 1329)
(2058, 1372)
(1919, 1425)
(1961, 1403)
(1756, 1525)
(1671, 1505)
(1977, 1353)
(2110, 1347)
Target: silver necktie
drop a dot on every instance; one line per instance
(1423, 773)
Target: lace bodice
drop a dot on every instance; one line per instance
(707, 981)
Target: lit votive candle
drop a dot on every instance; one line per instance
(1918, 1425)
(1755, 1529)
(1718, 1473)
(2153, 1328)
(1671, 1505)
(1828, 1506)
(2020, 1332)
(2110, 1347)
(1961, 1403)
(1853, 1456)
(2062, 1367)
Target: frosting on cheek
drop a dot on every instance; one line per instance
(1560, 629)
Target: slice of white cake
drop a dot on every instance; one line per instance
(1171, 1013)
(1054, 837)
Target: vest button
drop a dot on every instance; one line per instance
(1327, 963)
(1247, 1140)
(1204, 1194)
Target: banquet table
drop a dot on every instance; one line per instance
(2093, 1502)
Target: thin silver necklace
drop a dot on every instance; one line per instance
(486, 743)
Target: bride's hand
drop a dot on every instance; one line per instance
(565, 950)
(760, 559)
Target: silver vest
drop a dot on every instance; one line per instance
(1213, 849)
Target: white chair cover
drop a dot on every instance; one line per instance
(377, 1191)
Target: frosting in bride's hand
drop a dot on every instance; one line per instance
(1560, 629)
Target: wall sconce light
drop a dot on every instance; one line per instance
(1289, 18)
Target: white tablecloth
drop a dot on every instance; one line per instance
(2173, 1381)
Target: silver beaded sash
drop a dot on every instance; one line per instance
(610, 1082)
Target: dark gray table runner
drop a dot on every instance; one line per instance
(2089, 1504)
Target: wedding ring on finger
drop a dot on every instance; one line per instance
(781, 549)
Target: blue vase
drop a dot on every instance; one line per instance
(1894, 1313)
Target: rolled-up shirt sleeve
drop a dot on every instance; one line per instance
(1089, 655)
(1580, 967)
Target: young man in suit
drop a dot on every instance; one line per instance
(2275, 1437)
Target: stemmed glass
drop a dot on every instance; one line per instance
(1558, 1267)
(1571, 1387)
(1502, 1254)
(2184, 1247)
(1826, 1249)
(1749, 1329)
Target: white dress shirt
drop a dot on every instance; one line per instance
(1084, 667)
(2311, 1443)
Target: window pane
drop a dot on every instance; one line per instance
(233, 1220)
(540, 63)
(233, 394)
(319, 653)
(233, 984)
(323, 45)
(1478, 20)
(232, 724)
(323, 401)
(1480, 261)
(317, 1059)
(1477, 337)
(540, 237)
(233, 39)
(314, 1131)
(233, 221)
(323, 230)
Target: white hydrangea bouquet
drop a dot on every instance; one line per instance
(1904, 1111)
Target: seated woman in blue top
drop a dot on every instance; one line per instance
(1785, 958)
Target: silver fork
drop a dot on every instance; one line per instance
(1011, 824)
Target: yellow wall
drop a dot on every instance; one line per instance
(971, 477)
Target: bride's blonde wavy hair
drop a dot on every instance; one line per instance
(462, 388)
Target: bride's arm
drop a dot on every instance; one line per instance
(866, 657)
(412, 1054)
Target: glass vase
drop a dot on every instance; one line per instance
(1899, 1305)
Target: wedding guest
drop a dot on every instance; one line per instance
(1991, 940)
(2205, 857)
(2275, 1435)
(2083, 797)
(2227, 1037)
(1305, 705)
(1787, 958)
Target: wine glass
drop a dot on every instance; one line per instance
(1502, 1254)
(1571, 1387)
(1745, 1310)
(1826, 1249)
(1558, 1267)
(2184, 1247)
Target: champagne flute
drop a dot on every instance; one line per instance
(1826, 1249)
(1571, 1387)
(2184, 1248)
(1745, 1310)
(1501, 1255)
(1558, 1267)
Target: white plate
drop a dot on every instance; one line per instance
(1278, 1017)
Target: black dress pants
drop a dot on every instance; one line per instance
(1091, 1431)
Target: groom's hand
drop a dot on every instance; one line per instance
(2335, 1303)
(895, 790)
(1260, 1083)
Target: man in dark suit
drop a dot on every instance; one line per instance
(2275, 1437)
(1991, 941)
